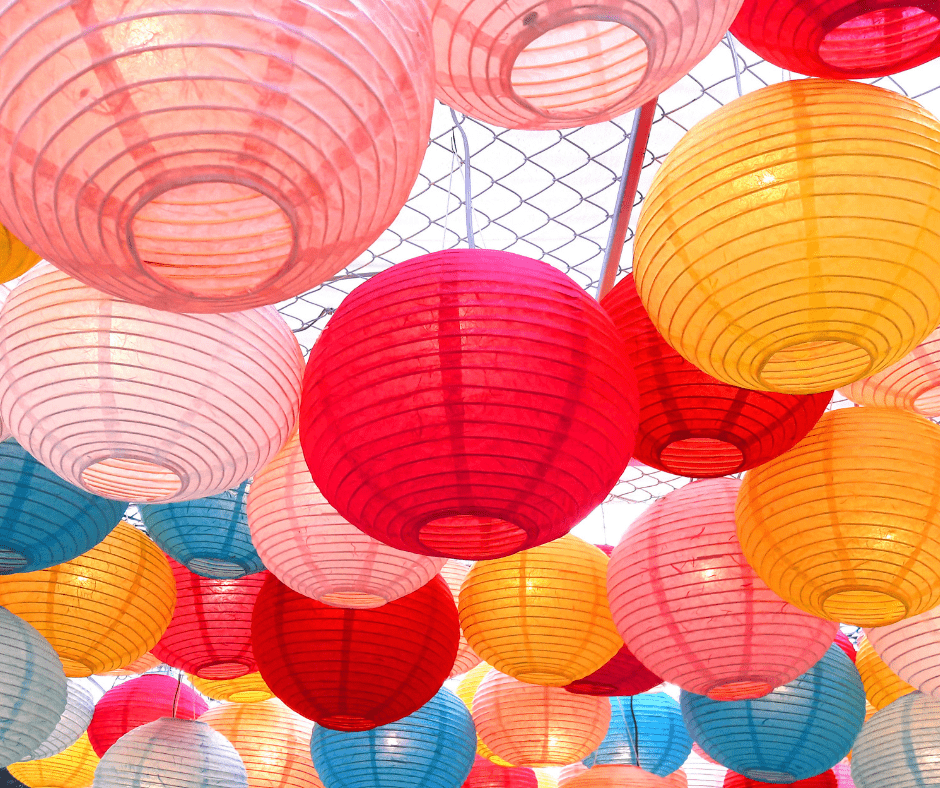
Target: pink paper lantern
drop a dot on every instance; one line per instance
(135, 404)
(454, 572)
(691, 609)
(911, 648)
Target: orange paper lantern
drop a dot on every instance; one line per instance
(882, 685)
(618, 777)
(140, 665)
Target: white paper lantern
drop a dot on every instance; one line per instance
(72, 724)
(911, 648)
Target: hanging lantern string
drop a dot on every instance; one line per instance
(635, 736)
(468, 197)
(176, 696)
(729, 39)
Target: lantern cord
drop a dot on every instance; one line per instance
(468, 197)
(734, 59)
(450, 190)
(635, 736)
(176, 697)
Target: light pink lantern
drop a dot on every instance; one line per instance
(304, 542)
(694, 612)
(210, 155)
(136, 404)
(454, 572)
(911, 648)
(567, 773)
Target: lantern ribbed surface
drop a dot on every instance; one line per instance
(353, 670)
(137, 404)
(73, 723)
(486, 774)
(310, 548)
(140, 665)
(843, 773)
(454, 572)
(468, 404)
(617, 776)
(532, 725)
(623, 674)
(101, 610)
(209, 536)
(846, 645)
(249, 688)
(541, 615)
(567, 773)
(911, 649)
(882, 685)
(74, 767)
(797, 731)
(845, 525)
(825, 780)
(691, 609)
(466, 691)
(211, 155)
(701, 773)
(15, 257)
(757, 265)
(692, 424)
(558, 65)
(840, 39)
(900, 745)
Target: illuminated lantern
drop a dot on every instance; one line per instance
(840, 39)
(79, 709)
(313, 550)
(73, 767)
(454, 573)
(755, 266)
(486, 774)
(567, 773)
(824, 780)
(617, 776)
(846, 645)
(209, 536)
(692, 610)
(701, 773)
(249, 688)
(352, 670)
(532, 725)
(882, 685)
(140, 665)
(466, 691)
(624, 674)
(141, 405)
(211, 156)
(127, 706)
(101, 610)
(46, 520)
(678, 779)
(468, 404)
(911, 649)
(692, 424)
(15, 257)
(797, 731)
(845, 525)
(541, 615)
(546, 777)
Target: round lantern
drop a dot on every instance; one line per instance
(846, 645)
(209, 536)
(46, 520)
(692, 610)
(352, 670)
(650, 723)
(127, 706)
(486, 774)
(101, 610)
(824, 780)
(140, 665)
(797, 731)
(15, 257)
(882, 685)
(73, 767)
(617, 776)
(845, 525)
(843, 773)
(137, 404)
(900, 745)
(541, 615)
(171, 753)
(547, 778)
(33, 689)
(313, 550)
(531, 725)
(557, 65)
(466, 691)
(73, 723)
(692, 424)
(211, 156)
(249, 688)
(624, 674)
(454, 573)
(701, 773)
(911, 649)
(434, 747)
(469, 404)
(756, 268)
(841, 39)
(567, 773)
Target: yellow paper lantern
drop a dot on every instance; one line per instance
(882, 685)
(16, 258)
(249, 688)
(846, 525)
(466, 690)
(74, 767)
(102, 610)
(546, 778)
(541, 615)
(787, 246)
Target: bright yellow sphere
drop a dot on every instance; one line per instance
(249, 688)
(74, 767)
(16, 258)
(882, 685)
(466, 690)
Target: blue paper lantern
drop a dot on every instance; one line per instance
(797, 731)
(432, 748)
(209, 536)
(45, 520)
(652, 722)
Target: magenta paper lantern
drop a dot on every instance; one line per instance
(911, 648)
(210, 155)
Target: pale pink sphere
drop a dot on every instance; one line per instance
(843, 772)
(911, 648)
(454, 572)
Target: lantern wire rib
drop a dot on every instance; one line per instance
(734, 60)
(468, 195)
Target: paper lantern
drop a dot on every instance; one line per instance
(677, 779)
(843, 773)
(140, 665)
(846, 645)
(249, 688)
(352, 670)
(469, 404)
(454, 573)
(15, 257)
(211, 156)
(541, 615)
(650, 723)
(702, 773)
(532, 725)
(797, 731)
(466, 691)
(171, 753)
(46, 520)
(845, 525)
(433, 747)
(911, 649)
(313, 550)
(101, 610)
(486, 774)
(624, 674)
(692, 610)
(900, 745)
(137, 404)
(79, 708)
(841, 39)
(824, 780)
(692, 424)
(209, 536)
(567, 773)
(125, 707)
(882, 685)
(755, 264)
(74, 767)
(546, 777)
(558, 65)
(617, 777)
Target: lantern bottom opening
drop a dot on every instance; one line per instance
(544, 678)
(222, 671)
(215, 568)
(353, 600)
(864, 607)
(11, 561)
(770, 776)
(891, 36)
(815, 366)
(126, 479)
(740, 690)
(249, 696)
(700, 457)
(472, 536)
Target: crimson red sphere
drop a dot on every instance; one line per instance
(825, 780)
(846, 645)
(624, 674)
(486, 774)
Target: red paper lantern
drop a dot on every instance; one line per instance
(139, 701)
(353, 670)
(824, 780)
(468, 404)
(622, 675)
(846, 645)
(210, 633)
(486, 774)
(692, 424)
